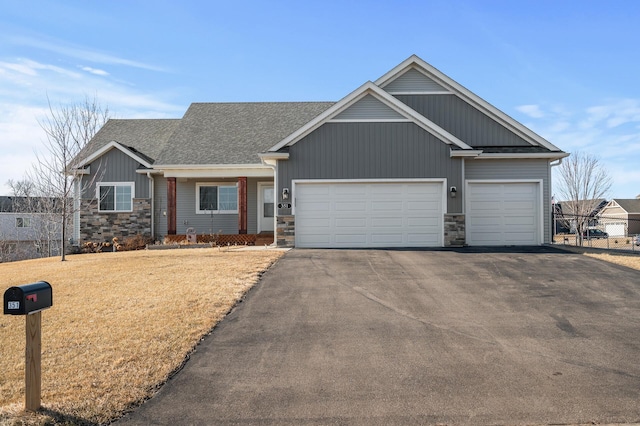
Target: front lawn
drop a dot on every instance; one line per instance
(120, 324)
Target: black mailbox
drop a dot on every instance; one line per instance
(28, 298)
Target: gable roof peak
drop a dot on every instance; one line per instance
(415, 62)
(370, 88)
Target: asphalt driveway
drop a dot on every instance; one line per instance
(418, 337)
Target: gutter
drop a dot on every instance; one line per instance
(153, 204)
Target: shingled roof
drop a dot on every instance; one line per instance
(234, 133)
(145, 136)
(631, 205)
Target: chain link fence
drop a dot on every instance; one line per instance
(612, 233)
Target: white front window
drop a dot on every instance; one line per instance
(216, 198)
(115, 197)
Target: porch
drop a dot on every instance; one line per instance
(261, 239)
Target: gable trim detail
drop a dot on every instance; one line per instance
(108, 147)
(414, 62)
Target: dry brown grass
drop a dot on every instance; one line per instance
(120, 324)
(628, 260)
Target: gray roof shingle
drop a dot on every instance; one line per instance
(146, 136)
(631, 205)
(234, 133)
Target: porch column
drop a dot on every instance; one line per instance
(171, 206)
(242, 205)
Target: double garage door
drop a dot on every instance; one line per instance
(411, 214)
(369, 214)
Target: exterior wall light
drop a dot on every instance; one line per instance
(453, 191)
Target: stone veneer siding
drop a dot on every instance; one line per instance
(100, 226)
(286, 231)
(454, 230)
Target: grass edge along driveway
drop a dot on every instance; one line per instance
(120, 325)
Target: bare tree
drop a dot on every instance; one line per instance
(582, 184)
(68, 128)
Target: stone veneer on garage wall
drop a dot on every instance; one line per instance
(99, 226)
(454, 230)
(286, 231)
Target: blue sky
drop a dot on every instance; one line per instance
(570, 70)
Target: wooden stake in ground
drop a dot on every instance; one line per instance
(33, 354)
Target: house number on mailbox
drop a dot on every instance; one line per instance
(13, 305)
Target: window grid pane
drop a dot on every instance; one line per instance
(107, 201)
(228, 198)
(209, 198)
(123, 197)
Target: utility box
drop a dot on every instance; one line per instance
(192, 237)
(28, 298)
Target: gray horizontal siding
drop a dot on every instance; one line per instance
(516, 170)
(462, 120)
(413, 81)
(369, 108)
(203, 224)
(371, 151)
(186, 216)
(115, 166)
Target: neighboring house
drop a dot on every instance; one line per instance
(411, 160)
(565, 216)
(621, 217)
(27, 229)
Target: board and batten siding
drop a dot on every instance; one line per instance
(413, 81)
(462, 120)
(371, 151)
(513, 170)
(115, 166)
(369, 108)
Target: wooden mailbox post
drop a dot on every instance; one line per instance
(30, 300)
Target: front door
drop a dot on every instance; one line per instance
(266, 207)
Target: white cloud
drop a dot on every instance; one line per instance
(25, 85)
(614, 113)
(609, 129)
(532, 111)
(77, 52)
(95, 71)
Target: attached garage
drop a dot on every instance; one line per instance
(615, 229)
(503, 213)
(346, 214)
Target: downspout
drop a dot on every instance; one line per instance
(553, 210)
(275, 198)
(153, 203)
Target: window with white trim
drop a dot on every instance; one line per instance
(216, 198)
(115, 197)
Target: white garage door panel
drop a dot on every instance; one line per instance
(354, 222)
(503, 213)
(351, 206)
(369, 214)
(615, 229)
(518, 221)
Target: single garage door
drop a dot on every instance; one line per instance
(616, 229)
(363, 214)
(503, 214)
